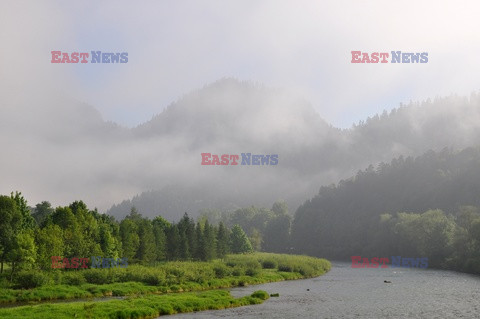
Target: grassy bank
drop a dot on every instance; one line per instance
(141, 307)
(233, 271)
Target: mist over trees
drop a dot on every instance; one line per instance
(311, 152)
(156, 166)
(426, 206)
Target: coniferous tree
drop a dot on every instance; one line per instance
(173, 243)
(209, 242)
(129, 237)
(239, 241)
(160, 226)
(146, 250)
(223, 238)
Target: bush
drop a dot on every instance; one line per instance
(221, 271)
(96, 276)
(252, 272)
(237, 272)
(254, 264)
(285, 267)
(74, 278)
(306, 270)
(269, 264)
(31, 279)
(153, 279)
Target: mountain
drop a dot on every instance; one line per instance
(230, 116)
(63, 150)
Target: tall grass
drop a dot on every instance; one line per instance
(143, 307)
(234, 270)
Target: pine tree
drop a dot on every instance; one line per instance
(239, 241)
(223, 238)
(209, 242)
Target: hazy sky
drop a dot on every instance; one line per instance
(177, 46)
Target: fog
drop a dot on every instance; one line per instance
(105, 133)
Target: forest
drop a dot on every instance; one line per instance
(427, 206)
(31, 237)
(43, 237)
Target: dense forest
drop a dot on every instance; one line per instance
(426, 206)
(31, 236)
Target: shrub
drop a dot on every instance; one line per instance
(306, 270)
(175, 288)
(96, 276)
(221, 271)
(269, 264)
(252, 272)
(237, 272)
(285, 267)
(74, 278)
(153, 279)
(31, 279)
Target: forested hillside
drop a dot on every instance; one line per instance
(426, 206)
(311, 152)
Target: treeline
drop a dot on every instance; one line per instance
(267, 229)
(414, 207)
(29, 237)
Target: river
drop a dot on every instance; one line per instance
(346, 292)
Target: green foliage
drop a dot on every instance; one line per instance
(141, 307)
(28, 222)
(223, 238)
(277, 232)
(96, 276)
(31, 279)
(269, 264)
(175, 276)
(49, 243)
(414, 207)
(129, 237)
(260, 294)
(10, 226)
(160, 225)
(23, 252)
(239, 241)
(146, 249)
(74, 278)
(221, 271)
(41, 212)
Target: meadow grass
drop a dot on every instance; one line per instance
(181, 276)
(140, 307)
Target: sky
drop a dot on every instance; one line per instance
(305, 47)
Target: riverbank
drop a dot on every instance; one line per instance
(143, 307)
(172, 283)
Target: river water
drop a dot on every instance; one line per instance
(346, 292)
